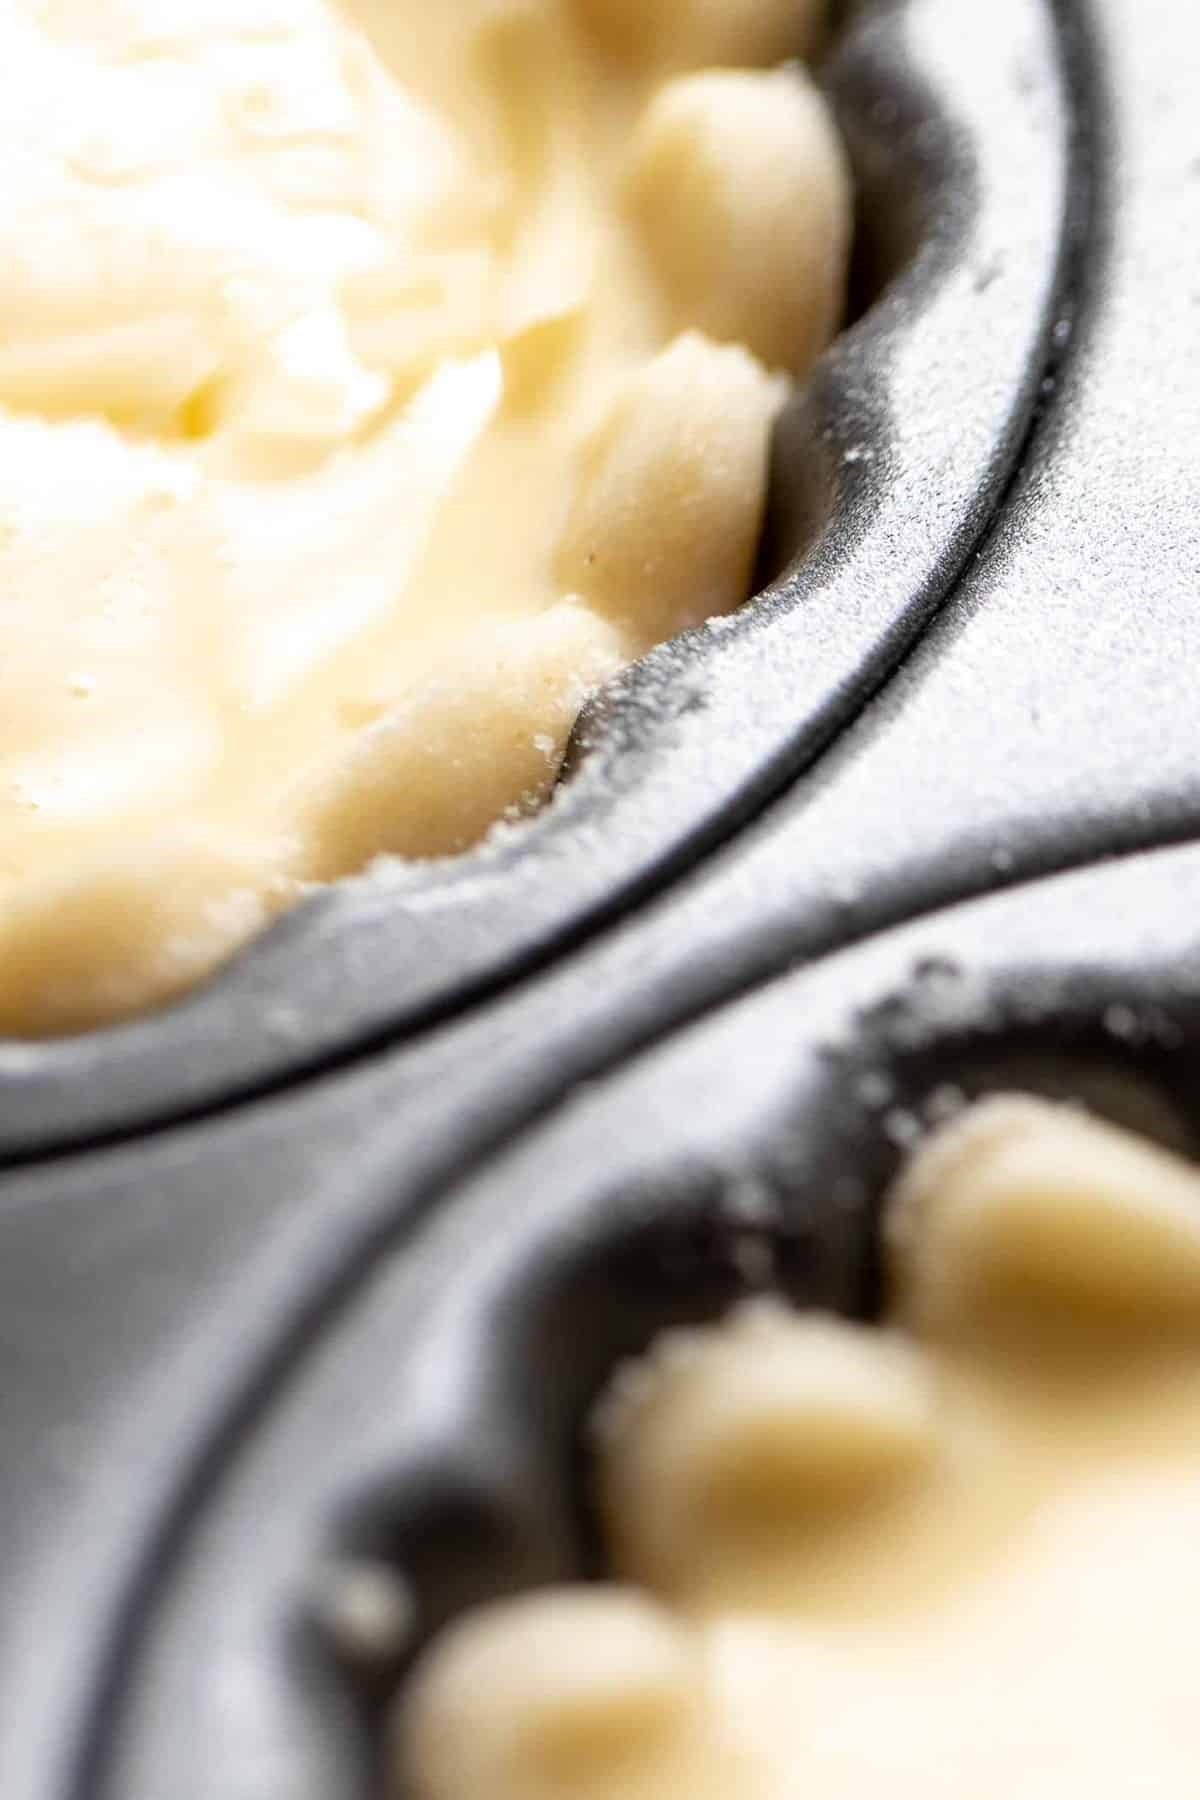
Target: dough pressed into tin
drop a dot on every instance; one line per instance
(952, 1554)
(376, 378)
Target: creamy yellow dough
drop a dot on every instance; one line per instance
(954, 1555)
(375, 379)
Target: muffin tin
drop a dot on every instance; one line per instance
(358, 1319)
(886, 473)
(430, 1427)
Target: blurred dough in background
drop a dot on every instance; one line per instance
(955, 1554)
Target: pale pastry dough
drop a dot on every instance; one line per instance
(1020, 1207)
(694, 34)
(722, 175)
(664, 525)
(590, 1691)
(351, 431)
(722, 1438)
(956, 1555)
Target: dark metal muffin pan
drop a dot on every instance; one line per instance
(432, 1423)
(362, 1315)
(887, 471)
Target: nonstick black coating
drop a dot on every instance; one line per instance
(962, 132)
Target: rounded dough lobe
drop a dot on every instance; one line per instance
(695, 34)
(583, 1691)
(129, 932)
(1025, 1208)
(740, 187)
(664, 530)
(491, 724)
(731, 1440)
